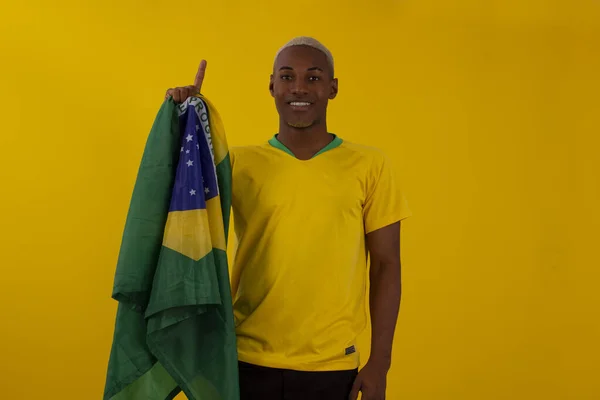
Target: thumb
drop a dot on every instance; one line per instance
(355, 388)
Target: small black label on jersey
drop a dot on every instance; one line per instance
(350, 350)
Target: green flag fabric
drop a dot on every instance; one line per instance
(174, 328)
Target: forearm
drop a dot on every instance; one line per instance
(385, 294)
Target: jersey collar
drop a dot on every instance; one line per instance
(274, 141)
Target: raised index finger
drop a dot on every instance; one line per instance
(200, 75)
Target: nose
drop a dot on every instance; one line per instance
(299, 87)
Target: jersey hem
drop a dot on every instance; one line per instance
(273, 362)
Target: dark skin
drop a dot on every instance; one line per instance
(302, 75)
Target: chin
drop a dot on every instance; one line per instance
(301, 124)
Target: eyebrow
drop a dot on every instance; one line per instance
(309, 69)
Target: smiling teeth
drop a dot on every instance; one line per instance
(299, 104)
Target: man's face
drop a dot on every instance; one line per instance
(302, 85)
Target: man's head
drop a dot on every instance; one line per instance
(303, 82)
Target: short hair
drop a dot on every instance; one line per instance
(310, 42)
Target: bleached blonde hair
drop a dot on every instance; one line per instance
(310, 42)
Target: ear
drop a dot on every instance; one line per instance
(334, 89)
(271, 80)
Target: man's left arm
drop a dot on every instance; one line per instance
(384, 297)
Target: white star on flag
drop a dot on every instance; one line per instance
(206, 190)
(187, 151)
(190, 163)
(181, 148)
(197, 146)
(197, 128)
(192, 192)
(189, 138)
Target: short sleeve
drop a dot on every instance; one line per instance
(385, 202)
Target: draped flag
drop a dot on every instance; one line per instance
(174, 329)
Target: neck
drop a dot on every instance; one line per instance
(304, 142)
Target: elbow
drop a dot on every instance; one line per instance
(388, 271)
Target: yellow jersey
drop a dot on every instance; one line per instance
(300, 269)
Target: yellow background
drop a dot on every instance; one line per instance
(489, 109)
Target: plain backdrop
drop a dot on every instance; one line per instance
(488, 109)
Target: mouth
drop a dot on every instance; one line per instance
(299, 105)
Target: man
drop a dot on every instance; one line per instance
(307, 206)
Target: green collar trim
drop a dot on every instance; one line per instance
(274, 141)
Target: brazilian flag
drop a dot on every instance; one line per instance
(174, 329)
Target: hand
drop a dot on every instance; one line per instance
(181, 94)
(371, 381)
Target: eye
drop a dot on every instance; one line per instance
(285, 77)
(314, 78)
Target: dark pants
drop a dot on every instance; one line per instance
(261, 383)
